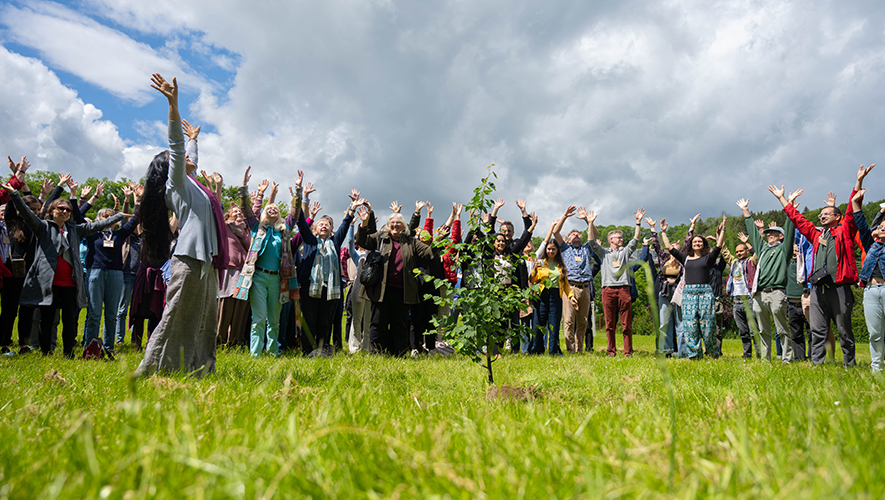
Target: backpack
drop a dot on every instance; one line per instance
(96, 350)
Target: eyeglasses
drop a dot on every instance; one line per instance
(63, 209)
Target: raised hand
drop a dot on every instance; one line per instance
(190, 130)
(772, 224)
(664, 225)
(534, 221)
(299, 179)
(858, 195)
(582, 213)
(651, 223)
(743, 204)
(64, 179)
(247, 175)
(274, 187)
(262, 186)
(591, 217)
(795, 194)
(499, 203)
(743, 237)
(84, 193)
(695, 219)
(139, 193)
(759, 224)
(354, 194)
(308, 188)
(12, 165)
(315, 208)
(358, 203)
(45, 188)
(217, 178)
(646, 241)
(116, 202)
(429, 210)
(831, 199)
(520, 203)
(863, 172)
(395, 206)
(127, 191)
(639, 214)
(74, 187)
(363, 214)
(777, 192)
(170, 90)
(419, 205)
(570, 211)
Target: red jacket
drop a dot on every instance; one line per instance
(843, 234)
(448, 259)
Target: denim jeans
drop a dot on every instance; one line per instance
(671, 324)
(103, 287)
(264, 296)
(125, 298)
(548, 316)
(874, 313)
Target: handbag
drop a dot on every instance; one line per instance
(373, 269)
(18, 268)
(821, 277)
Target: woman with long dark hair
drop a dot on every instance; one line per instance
(56, 279)
(698, 302)
(184, 339)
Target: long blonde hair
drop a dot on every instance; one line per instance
(279, 225)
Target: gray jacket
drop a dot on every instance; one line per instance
(197, 237)
(37, 290)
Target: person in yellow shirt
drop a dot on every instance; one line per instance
(550, 272)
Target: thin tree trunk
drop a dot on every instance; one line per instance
(489, 359)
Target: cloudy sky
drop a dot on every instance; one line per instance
(678, 106)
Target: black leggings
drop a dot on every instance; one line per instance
(9, 309)
(64, 298)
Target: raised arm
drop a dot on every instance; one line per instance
(637, 230)
(861, 175)
(556, 230)
(177, 168)
(191, 148)
(866, 237)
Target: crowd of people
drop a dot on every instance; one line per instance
(205, 276)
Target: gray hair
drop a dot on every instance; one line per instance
(105, 213)
(395, 216)
(614, 232)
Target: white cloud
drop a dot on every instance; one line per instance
(681, 106)
(96, 53)
(58, 132)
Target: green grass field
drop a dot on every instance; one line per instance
(372, 427)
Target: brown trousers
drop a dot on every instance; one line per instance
(616, 302)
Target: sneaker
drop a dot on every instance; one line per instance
(414, 353)
(24, 349)
(328, 351)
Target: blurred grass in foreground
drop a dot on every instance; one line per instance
(364, 426)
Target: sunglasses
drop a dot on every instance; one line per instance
(63, 209)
